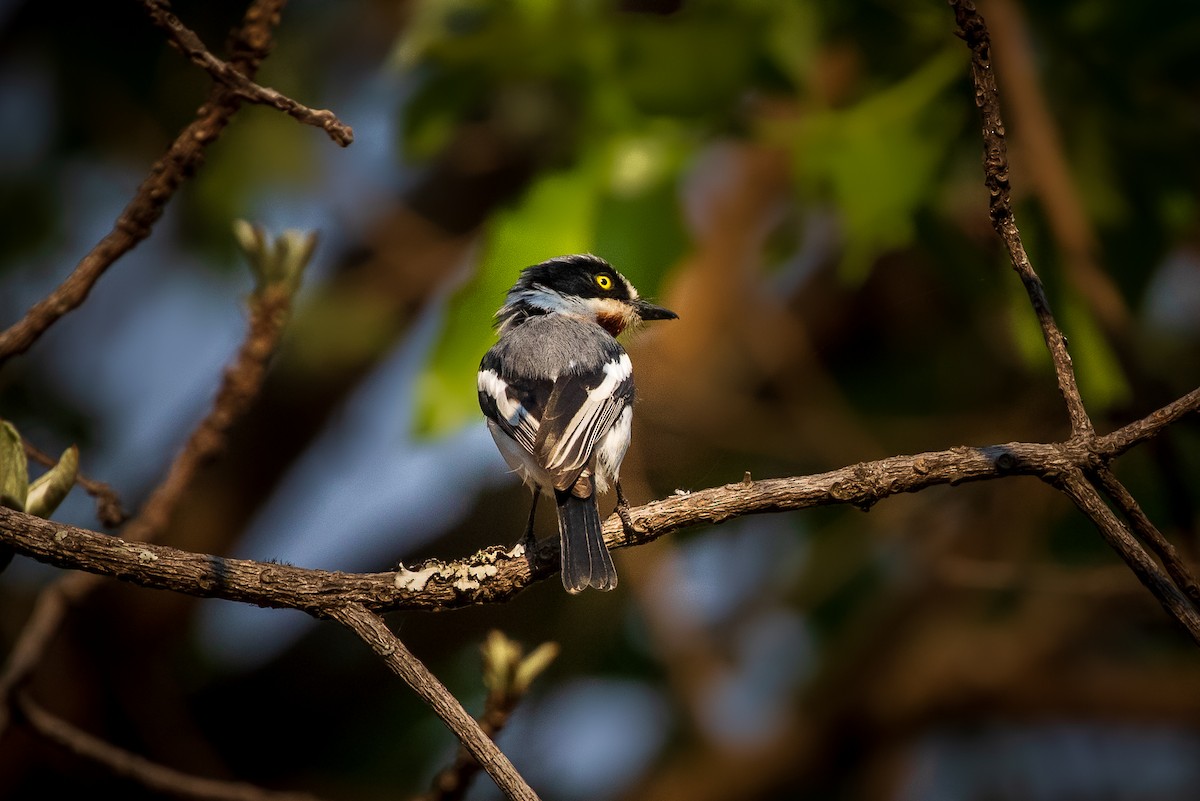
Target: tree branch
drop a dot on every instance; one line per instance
(1076, 486)
(972, 29)
(495, 574)
(269, 311)
(187, 42)
(151, 775)
(250, 44)
(1149, 533)
(400, 660)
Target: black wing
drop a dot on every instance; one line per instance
(513, 404)
(579, 411)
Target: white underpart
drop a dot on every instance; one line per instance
(610, 451)
(521, 461)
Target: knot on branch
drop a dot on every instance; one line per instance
(862, 491)
(1004, 460)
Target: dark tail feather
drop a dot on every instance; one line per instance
(585, 559)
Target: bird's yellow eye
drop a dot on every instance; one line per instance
(605, 282)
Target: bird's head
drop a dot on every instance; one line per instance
(584, 286)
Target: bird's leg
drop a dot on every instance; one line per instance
(623, 512)
(529, 541)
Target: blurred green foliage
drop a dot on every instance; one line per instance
(915, 333)
(617, 105)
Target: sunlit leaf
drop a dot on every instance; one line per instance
(1102, 382)
(14, 468)
(591, 208)
(639, 224)
(51, 488)
(878, 160)
(556, 216)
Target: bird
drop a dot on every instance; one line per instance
(557, 391)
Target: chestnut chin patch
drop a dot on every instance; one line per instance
(613, 315)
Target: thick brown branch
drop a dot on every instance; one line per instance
(151, 775)
(495, 574)
(973, 30)
(188, 43)
(371, 628)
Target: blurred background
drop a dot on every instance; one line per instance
(801, 181)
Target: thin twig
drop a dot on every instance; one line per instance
(151, 775)
(241, 384)
(188, 43)
(239, 387)
(973, 30)
(109, 509)
(1126, 437)
(1050, 175)
(371, 628)
(250, 44)
(1149, 533)
(1085, 496)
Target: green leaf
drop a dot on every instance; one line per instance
(639, 221)
(275, 260)
(14, 468)
(52, 487)
(620, 204)
(1102, 382)
(878, 160)
(556, 216)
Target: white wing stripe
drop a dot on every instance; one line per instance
(592, 419)
(522, 425)
(490, 383)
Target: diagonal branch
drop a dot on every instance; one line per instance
(250, 43)
(371, 628)
(1085, 496)
(243, 379)
(269, 311)
(972, 29)
(151, 775)
(1149, 533)
(188, 43)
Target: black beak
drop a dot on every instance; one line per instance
(648, 311)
